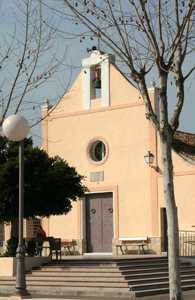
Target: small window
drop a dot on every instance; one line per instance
(97, 151)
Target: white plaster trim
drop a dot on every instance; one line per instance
(86, 88)
(97, 57)
(105, 79)
(104, 60)
(151, 89)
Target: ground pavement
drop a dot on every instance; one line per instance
(189, 295)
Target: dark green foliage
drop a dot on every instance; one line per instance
(12, 244)
(50, 184)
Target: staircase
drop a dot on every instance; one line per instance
(109, 278)
(149, 276)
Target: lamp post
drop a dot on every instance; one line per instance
(16, 128)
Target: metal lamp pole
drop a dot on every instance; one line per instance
(16, 128)
(20, 252)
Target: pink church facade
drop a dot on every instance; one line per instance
(104, 134)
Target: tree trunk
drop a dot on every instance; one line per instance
(13, 241)
(14, 228)
(172, 220)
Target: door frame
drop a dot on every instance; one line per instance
(83, 216)
(164, 236)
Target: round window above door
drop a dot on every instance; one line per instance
(98, 151)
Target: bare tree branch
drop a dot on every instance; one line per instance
(189, 73)
(35, 63)
(162, 47)
(20, 64)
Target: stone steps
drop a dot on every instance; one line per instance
(150, 270)
(117, 278)
(80, 270)
(157, 273)
(74, 292)
(152, 279)
(155, 284)
(158, 291)
(148, 266)
(46, 283)
(108, 263)
(68, 274)
(75, 279)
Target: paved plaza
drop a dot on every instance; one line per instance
(189, 295)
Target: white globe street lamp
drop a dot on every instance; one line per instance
(16, 128)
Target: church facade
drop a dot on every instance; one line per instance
(100, 128)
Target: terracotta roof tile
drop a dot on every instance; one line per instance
(184, 144)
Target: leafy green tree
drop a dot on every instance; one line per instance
(50, 184)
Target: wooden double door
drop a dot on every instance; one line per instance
(99, 222)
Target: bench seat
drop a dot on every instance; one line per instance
(137, 242)
(69, 247)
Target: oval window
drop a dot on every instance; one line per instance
(97, 151)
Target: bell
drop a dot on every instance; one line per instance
(97, 83)
(97, 79)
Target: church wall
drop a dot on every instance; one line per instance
(119, 121)
(125, 130)
(184, 179)
(65, 226)
(185, 199)
(122, 92)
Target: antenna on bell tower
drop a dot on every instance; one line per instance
(98, 40)
(96, 48)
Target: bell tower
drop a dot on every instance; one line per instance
(96, 78)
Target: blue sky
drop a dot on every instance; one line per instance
(71, 64)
